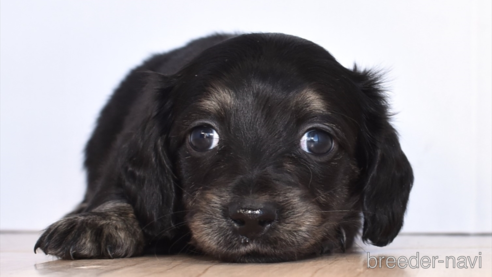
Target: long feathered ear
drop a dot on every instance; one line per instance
(145, 161)
(387, 176)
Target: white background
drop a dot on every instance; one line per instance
(60, 60)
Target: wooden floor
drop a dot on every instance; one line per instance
(17, 259)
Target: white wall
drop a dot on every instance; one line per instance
(60, 60)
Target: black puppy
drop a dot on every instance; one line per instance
(249, 148)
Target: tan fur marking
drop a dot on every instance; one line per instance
(310, 100)
(218, 100)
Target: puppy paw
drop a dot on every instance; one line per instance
(109, 231)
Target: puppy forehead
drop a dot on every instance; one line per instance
(218, 100)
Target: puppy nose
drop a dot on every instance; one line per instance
(252, 222)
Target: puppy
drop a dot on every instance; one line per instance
(248, 148)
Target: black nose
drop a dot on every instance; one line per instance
(252, 222)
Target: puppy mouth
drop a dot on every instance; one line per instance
(240, 249)
(256, 251)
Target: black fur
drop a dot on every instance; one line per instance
(149, 190)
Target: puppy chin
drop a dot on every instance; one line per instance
(243, 250)
(260, 257)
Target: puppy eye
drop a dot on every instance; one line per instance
(203, 138)
(316, 142)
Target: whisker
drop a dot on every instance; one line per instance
(177, 240)
(163, 216)
(310, 172)
(168, 229)
(337, 211)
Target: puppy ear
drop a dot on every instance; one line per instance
(387, 177)
(145, 160)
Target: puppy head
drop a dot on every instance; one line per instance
(277, 149)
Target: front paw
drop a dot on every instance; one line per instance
(110, 231)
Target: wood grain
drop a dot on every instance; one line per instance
(17, 259)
